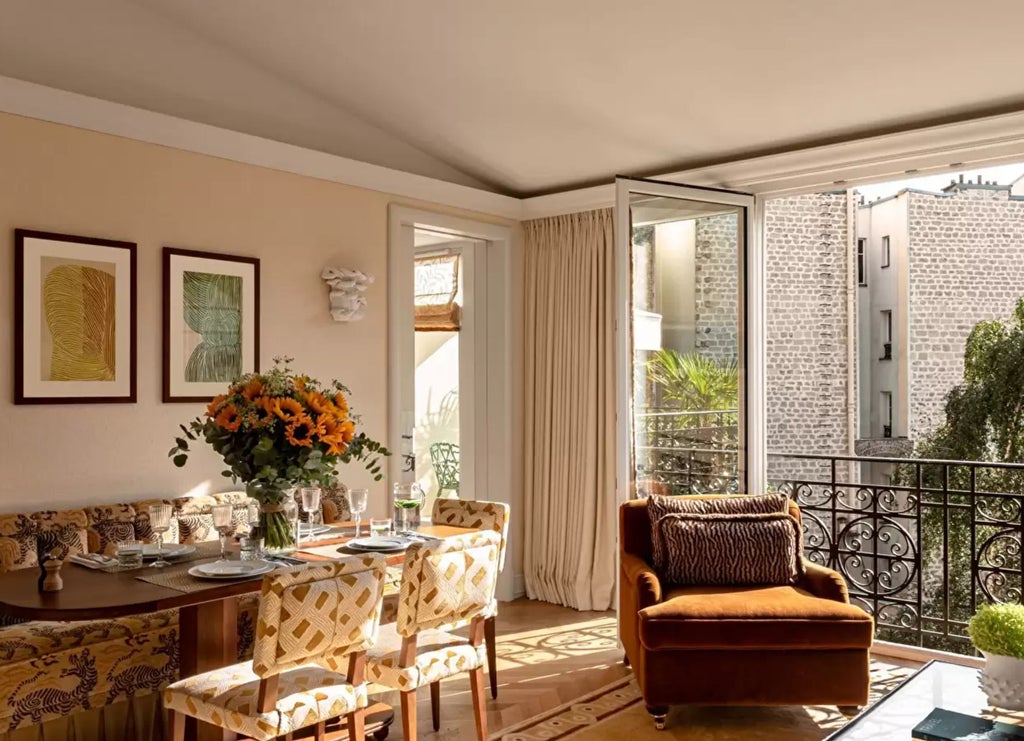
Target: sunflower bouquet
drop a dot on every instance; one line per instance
(278, 430)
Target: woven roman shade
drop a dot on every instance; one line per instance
(436, 286)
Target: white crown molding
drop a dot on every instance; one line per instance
(980, 142)
(60, 106)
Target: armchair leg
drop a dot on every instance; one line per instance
(658, 712)
(356, 726)
(625, 659)
(849, 710)
(476, 686)
(435, 704)
(177, 723)
(409, 715)
(492, 654)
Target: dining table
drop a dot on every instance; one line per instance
(207, 612)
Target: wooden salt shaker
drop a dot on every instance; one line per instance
(53, 582)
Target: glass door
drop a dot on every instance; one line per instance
(689, 352)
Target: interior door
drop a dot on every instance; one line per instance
(690, 371)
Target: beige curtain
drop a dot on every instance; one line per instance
(569, 421)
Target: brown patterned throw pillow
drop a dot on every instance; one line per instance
(659, 506)
(746, 549)
(61, 540)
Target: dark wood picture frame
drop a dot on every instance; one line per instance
(20, 395)
(169, 253)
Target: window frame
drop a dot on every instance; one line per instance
(886, 251)
(862, 261)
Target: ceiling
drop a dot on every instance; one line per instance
(530, 96)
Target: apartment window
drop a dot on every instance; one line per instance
(886, 414)
(885, 251)
(862, 261)
(886, 335)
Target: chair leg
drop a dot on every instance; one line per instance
(625, 659)
(409, 715)
(356, 727)
(476, 685)
(849, 710)
(177, 725)
(320, 732)
(658, 712)
(435, 704)
(492, 655)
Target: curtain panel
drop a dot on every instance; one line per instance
(569, 420)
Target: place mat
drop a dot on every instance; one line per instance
(178, 579)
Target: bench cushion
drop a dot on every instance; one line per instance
(755, 617)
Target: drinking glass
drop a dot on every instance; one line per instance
(222, 521)
(250, 548)
(408, 498)
(357, 505)
(310, 496)
(129, 554)
(380, 526)
(160, 522)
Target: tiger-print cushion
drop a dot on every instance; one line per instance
(659, 506)
(743, 549)
(65, 540)
(104, 535)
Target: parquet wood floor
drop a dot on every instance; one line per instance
(547, 656)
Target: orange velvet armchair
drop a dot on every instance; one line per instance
(803, 644)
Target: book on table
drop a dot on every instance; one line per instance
(945, 725)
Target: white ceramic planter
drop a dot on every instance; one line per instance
(1003, 681)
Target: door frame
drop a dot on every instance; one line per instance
(492, 379)
(753, 411)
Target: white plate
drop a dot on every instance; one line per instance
(379, 544)
(231, 569)
(307, 529)
(170, 551)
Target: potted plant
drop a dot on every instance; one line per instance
(997, 630)
(279, 430)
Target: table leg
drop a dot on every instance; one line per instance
(207, 639)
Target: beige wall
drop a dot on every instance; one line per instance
(61, 179)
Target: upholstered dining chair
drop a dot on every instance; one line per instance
(315, 624)
(481, 516)
(444, 583)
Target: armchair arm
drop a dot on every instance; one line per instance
(639, 581)
(9, 553)
(824, 582)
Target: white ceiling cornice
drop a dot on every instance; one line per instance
(979, 142)
(84, 112)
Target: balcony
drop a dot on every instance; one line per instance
(918, 553)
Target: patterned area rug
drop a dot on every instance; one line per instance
(616, 713)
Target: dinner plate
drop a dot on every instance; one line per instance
(307, 529)
(379, 544)
(149, 551)
(231, 569)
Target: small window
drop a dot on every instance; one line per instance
(862, 261)
(885, 251)
(886, 335)
(886, 414)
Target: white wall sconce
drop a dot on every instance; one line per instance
(347, 288)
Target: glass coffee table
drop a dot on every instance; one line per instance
(938, 684)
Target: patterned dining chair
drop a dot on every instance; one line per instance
(315, 624)
(480, 516)
(443, 583)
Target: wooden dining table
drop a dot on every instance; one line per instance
(207, 617)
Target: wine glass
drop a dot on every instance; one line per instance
(160, 522)
(408, 498)
(310, 505)
(357, 505)
(222, 521)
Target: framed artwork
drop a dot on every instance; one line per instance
(74, 319)
(211, 322)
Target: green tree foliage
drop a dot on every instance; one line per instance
(695, 382)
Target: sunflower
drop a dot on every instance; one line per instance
(229, 418)
(288, 409)
(319, 403)
(300, 432)
(348, 430)
(342, 404)
(214, 406)
(252, 389)
(300, 382)
(263, 411)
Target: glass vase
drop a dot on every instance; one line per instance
(277, 517)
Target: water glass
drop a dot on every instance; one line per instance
(250, 548)
(357, 503)
(408, 499)
(380, 526)
(160, 522)
(223, 521)
(310, 496)
(129, 554)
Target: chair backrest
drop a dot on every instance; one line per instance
(477, 515)
(318, 614)
(635, 524)
(445, 459)
(447, 582)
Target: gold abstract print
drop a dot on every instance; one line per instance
(79, 309)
